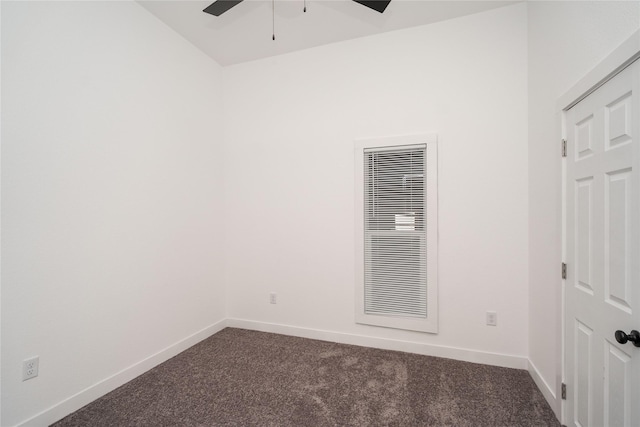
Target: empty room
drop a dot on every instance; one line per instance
(320, 213)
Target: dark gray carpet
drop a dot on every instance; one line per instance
(247, 378)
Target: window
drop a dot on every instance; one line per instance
(397, 232)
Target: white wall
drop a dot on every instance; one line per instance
(291, 123)
(111, 188)
(112, 182)
(566, 40)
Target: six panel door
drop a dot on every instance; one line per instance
(602, 240)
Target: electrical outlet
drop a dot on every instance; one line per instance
(492, 318)
(30, 368)
(273, 298)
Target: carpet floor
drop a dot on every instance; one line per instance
(247, 378)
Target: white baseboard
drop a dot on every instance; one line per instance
(546, 390)
(80, 399)
(494, 359)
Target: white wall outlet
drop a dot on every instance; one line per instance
(30, 368)
(273, 298)
(492, 318)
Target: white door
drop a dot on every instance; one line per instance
(602, 290)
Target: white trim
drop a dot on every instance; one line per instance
(392, 141)
(623, 56)
(362, 145)
(99, 389)
(0, 251)
(546, 390)
(560, 289)
(466, 355)
(88, 395)
(619, 59)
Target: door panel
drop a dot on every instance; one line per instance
(583, 374)
(617, 371)
(618, 122)
(602, 291)
(583, 236)
(617, 214)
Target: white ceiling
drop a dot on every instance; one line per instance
(244, 32)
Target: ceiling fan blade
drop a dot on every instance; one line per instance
(377, 5)
(219, 7)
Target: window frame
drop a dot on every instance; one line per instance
(430, 323)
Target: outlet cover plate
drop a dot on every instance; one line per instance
(492, 318)
(30, 368)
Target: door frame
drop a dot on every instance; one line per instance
(621, 57)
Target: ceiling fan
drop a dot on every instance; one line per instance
(219, 7)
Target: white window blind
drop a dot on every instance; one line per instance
(397, 232)
(395, 281)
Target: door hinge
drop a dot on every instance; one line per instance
(564, 148)
(564, 391)
(564, 270)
